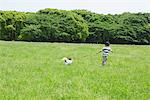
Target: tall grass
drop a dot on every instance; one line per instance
(36, 71)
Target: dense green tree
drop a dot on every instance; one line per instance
(128, 28)
(2, 27)
(75, 26)
(11, 23)
(31, 33)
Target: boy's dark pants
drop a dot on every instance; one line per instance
(104, 59)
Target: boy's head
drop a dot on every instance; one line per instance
(107, 43)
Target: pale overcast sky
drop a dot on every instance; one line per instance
(98, 6)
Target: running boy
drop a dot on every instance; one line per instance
(105, 51)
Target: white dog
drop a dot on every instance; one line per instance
(67, 61)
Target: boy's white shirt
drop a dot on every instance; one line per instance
(104, 53)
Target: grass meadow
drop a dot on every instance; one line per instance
(35, 71)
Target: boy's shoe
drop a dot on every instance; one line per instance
(104, 63)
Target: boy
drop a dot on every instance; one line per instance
(105, 51)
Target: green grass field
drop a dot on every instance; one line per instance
(35, 71)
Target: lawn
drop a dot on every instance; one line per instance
(35, 71)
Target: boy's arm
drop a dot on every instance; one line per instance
(111, 50)
(99, 51)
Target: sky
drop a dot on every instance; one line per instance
(98, 6)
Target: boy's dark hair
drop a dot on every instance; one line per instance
(107, 43)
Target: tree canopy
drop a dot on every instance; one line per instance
(75, 26)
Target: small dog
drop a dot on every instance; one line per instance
(67, 60)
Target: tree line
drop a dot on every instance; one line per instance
(53, 25)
